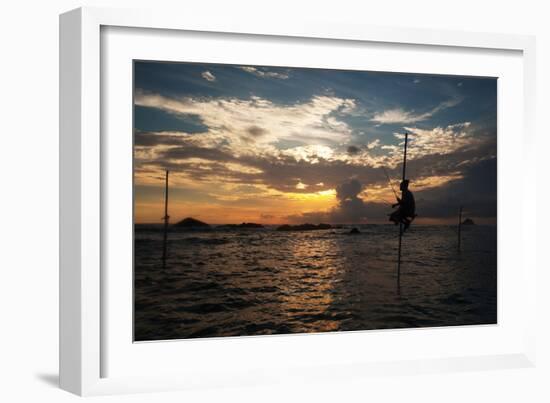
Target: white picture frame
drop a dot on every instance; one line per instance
(83, 294)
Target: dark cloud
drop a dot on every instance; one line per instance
(256, 131)
(353, 150)
(348, 190)
(202, 172)
(186, 152)
(281, 172)
(248, 189)
(445, 164)
(476, 191)
(252, 133)
(284, 173)
(145, 139)
(351, 209)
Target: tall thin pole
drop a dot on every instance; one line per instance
(399, 255)
(166, 218)
(459, 227)
(401, 224)
(405, 156)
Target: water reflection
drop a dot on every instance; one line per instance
(229, 283)
(309, 288)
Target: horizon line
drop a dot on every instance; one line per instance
(302, 223)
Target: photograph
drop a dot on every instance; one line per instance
(276, 200)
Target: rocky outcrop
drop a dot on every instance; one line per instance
(191, 223)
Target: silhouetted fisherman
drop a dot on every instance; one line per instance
(405, 213)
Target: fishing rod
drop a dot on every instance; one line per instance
(387, 202)
(390, 182)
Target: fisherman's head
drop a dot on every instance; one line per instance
(404, 184)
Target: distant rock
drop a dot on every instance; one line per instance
(468, 221)
(354, 231)
(191, 223)
(242, 225)
(304, 227)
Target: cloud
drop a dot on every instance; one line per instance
(311, 130)
(264, 73)
(476, 190)
(301, 186)
(438, 141)
(233, 122)
(466, 175)
(302, 151)
(188, 156)
(399, 115)
(208, 76)
(318, 168)
(350, 208)
(348, 190)
(441, 140)
(149, 139)
(353, 150)
(436, 156)
(256, 131)
(373, 144)
(436, 197)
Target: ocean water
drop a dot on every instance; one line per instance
(239, 282)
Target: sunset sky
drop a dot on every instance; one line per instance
(279, 145)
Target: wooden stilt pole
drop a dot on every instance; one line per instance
(399, 255)
(166, 218)
(459, 228)
(401, 224)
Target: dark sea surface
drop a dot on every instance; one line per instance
(237, 282)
